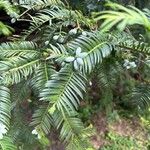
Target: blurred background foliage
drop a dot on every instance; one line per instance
(110, 86)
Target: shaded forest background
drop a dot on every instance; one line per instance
(112, 106)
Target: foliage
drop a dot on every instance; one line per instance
(145, 119)
(12, 12)
(121, 142)
(48, 69)
(121, 16)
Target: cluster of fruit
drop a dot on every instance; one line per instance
(127, 64)
(61, 39)
(77, 60)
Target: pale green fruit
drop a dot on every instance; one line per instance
(78, 51)
(63, 64)
(84, 33)
(55, 37)
(133, 64)
(61, 40)
(76, 66)
(46, 42)
(69, 59)
(80, 61)
(73, 31)
(13, 20)
(34, 132)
